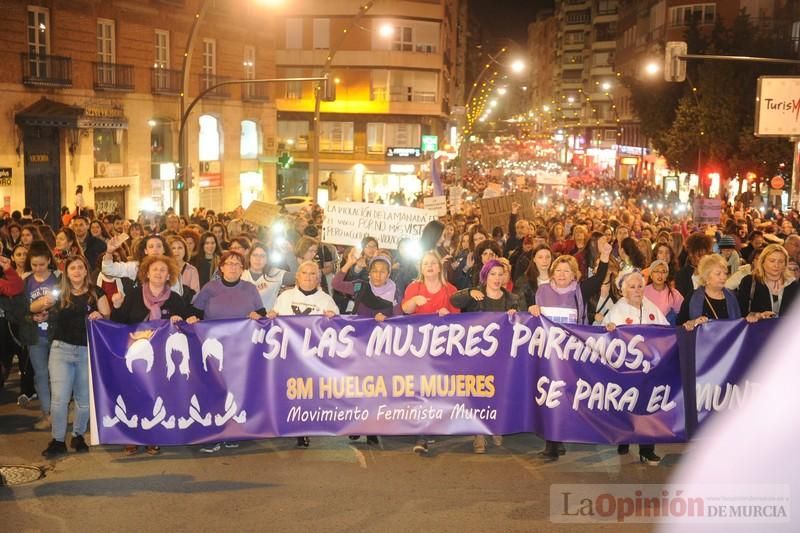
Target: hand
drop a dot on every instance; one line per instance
(419, 300)
(447, 259)
(47, 301)
(768, 314)
(611, 326)
(515, 207)
(116, 300)
(380, 317)
(511, 312)
(329, 314)
(192, 320)
(534, 310)
(272, 314)
(470, 260)
(604, 247)
(5, 262)
(95, 315)
(476, 295)
(175, 319)
(444, 311)
(254, 316)
(598, 317)
(352, 257)
(752, 318)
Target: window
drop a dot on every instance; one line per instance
(249, 63)
(161, 59)
(106, 53)
(106, 145)
(248, 146)
(606, 7)
(578, 17)
(573, 59)
(294, 89)
(294, 33)
(38, 40)
(796, 36)
(683, 15)
(574, 37)
(293, 133)
(322, 34)
(209, 138)
(403, 39)
(381, 136)
(404, 86)
(336, 137)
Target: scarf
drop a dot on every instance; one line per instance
(387, 291)
(154, 301)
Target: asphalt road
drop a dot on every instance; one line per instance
(334, 485)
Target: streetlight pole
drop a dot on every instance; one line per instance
(313, 178)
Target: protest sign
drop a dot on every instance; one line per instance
(347, 223)
(552, 178)
(495, 211)
(436, 205)
(462, 374)
(455, 199)
(261, 213)
(707, 210)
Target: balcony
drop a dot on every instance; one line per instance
(360, 58)
(165, 81)
(112, 77)
(403, 94)
(46, 70)
(255, 92)
(209, 80)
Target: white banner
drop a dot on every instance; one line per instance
(436, 205)
(347, 223)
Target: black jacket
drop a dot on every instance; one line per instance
(93, 249)
(761, 299)
(134, 311)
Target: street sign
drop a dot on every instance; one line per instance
(777, 106)
(402, 152)
(430, 143)
(674, 68)
(5, 175)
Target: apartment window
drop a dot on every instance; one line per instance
(403, 39)
(294, 89)
(161, 49)
(106, 53)
(248, 146)
(578, 17)
(209, 140)
(404, 86)
(106, 145)
(249, 63)
(38, 40)
(606, 32)
(209, 57)
(294, 33)
(602, 59)
(702, 13)
(382, 135)
(293, 133)
(606, 7)
(574, 37)
(322, 34)
(573, 59)
(336, 136)
(572, 75)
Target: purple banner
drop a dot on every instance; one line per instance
(158, 383)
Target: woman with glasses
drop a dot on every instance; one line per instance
(267, 278)
(79, 299)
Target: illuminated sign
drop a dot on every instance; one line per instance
(394, 151)
(395, 168)
(430, 143)
(629, 161)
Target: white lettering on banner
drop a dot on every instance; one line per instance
(347, 223)
(710, 396)
(160, 415)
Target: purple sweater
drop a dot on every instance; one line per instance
(218, 300)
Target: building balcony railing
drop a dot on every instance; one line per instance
(112, 76)
(403, 94)
(209, 80)
(165, 81)
(46, 71)
(255, 92)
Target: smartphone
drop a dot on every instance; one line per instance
(54, 293)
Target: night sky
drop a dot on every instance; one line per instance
(507, 18)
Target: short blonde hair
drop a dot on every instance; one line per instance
(569, 260)
(709, 263)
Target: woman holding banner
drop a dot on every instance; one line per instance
(79, 299)
(267, 278)
(563, 300)
(634, 308)
(771, 288)
(490, 295)
(711, 300)
(537, 273)
(430, 293)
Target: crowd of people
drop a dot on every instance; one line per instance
(610, 265)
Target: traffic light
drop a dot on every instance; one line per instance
(328, 90)
(180, 178)
(674, 68)
(285, 160)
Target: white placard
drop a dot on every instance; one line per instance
(551, 178)
(455, 199)
(436, 204)
(778, 106)
(348, 222)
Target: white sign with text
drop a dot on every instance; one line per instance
(347, 223)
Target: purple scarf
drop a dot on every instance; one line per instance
(154, 302)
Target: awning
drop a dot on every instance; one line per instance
(48, 113)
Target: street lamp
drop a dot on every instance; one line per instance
(517, 66)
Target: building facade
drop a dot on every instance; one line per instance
(399, 75)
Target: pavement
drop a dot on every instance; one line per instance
(334, 485)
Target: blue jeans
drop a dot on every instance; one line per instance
(39, 354)
(69, 376)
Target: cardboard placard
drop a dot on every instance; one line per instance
(496, 211)
(348, 222)
(707, 211)
(261, 213)
(436, 204)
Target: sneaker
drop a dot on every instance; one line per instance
(23, 400)
(479, 444)
(649, 458)
(421, 447)
(152, 450)
(78, 444)
(497, 440)
(303, 442)
(211, 448)
(43, 423)
(231, 445)
(55, 448)
(623, 449)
